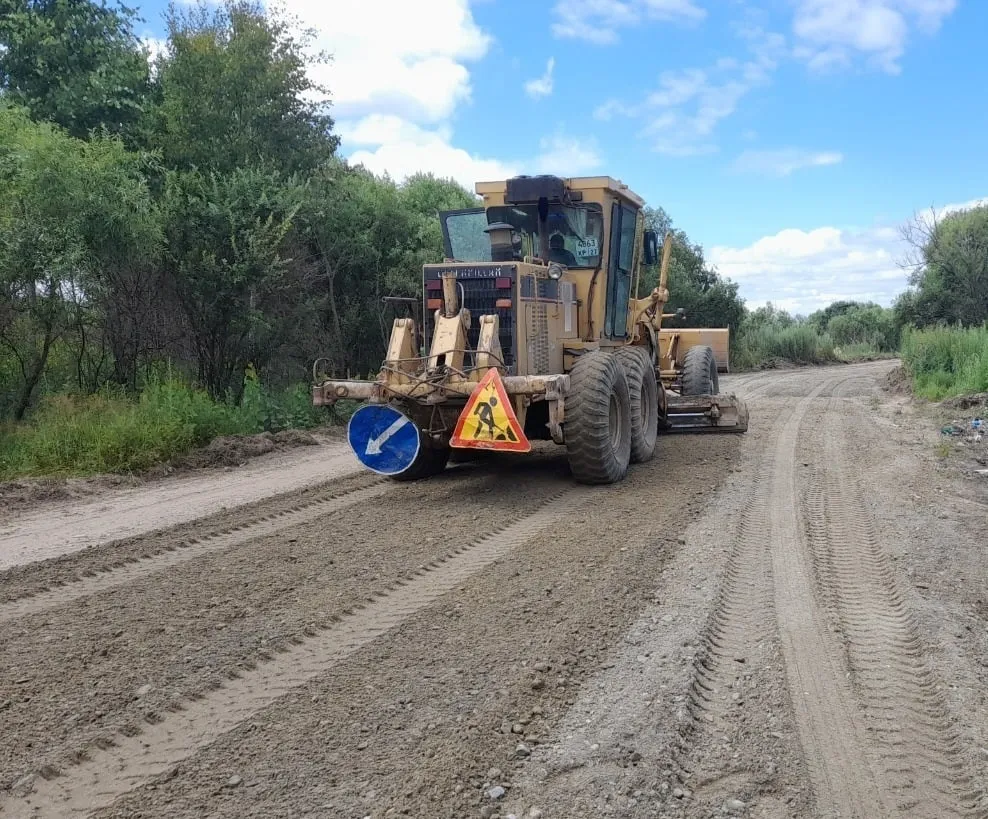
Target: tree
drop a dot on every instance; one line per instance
(424, 196)
(69, 209)
(768, 315)
(948, 263)
(822, 318)
(76, 63)
(428, 195)
(365, 241)
(707, 299)
(855, 322)
(127, 287)
(226, 237)
(235, 92)
(872, 325)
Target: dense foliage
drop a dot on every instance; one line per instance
(842, 331)
(949, 264)
(188, 210)
(76, 63)
(947, 361)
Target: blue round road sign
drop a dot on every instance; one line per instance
(384, 440)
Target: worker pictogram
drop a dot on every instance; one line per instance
(488, 421)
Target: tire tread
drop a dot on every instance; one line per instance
(592, 457)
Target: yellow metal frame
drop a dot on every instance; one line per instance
(440, 377)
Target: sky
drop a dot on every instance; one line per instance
(790, 138)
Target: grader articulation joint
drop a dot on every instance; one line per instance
(534, 330)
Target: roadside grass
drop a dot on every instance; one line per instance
(796, 344)
(74, 436)
(799, 344)
(947, 361)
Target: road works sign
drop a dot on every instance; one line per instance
(488, 421)
(384, 440)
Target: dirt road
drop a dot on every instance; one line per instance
(789, 623)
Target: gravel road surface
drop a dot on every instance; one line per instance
(787, 623)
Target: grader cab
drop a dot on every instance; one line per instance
(533, 329)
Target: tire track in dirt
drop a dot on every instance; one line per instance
(132, 568)
(913, 739)
(766, 571)
(860, 385)
(741, 616)
(755, 386)
(741, 620)
(842, 773)
(134, 758)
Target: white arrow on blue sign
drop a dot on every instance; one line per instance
(384, 440)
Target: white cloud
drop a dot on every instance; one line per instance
(389, 57)
(784, 161)
(565, 156)
(680, 117)
(831, 32)
(156, 46)
(395, 146)
(598, 21)
(541, 86)
(395, 78)
(804, 270)
(401, 148)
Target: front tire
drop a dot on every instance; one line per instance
(597, 426)
(700, 372)
(643, 390)
(430, 461)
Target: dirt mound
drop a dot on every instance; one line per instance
(774, 363)
(294, 437)
(231, 450)
(963, 402)
(17, 495)
(234, 450)
(897, 381)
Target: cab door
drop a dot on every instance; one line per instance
(619, 270)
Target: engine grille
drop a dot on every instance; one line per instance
(483, 288)
(537, 338)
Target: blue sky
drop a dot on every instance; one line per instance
(791, 138)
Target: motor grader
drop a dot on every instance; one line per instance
(533, 329)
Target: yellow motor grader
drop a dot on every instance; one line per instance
(533, 330)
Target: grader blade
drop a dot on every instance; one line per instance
(706, 413)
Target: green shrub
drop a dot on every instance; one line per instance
(113, 432)
(797, 343)
(947, 361)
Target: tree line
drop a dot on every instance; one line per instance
(189, 208)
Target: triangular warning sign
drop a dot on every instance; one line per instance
(488, 421)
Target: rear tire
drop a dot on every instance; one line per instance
(597, 425)
(643, 390)
(430, 461)
(700, 372)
